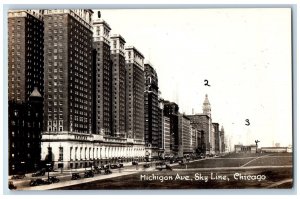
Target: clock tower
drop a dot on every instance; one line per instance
(206, 106)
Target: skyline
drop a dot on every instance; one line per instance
(241, 64)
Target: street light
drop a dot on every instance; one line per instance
(48, 165)
(24, 167)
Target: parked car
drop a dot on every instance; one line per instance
(106, 166)
(97, 170)
(15, 177)
(89, 174)
(113, 166)
(120, 165)
(75, 176)
(39, 173)
(53, 179)
(135, 162)
(162, 165)
(146, 165)
(107, 171)
(38, 182)
(11, 185)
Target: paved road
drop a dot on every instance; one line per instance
(65, 178)
(69, 182)
(280, 183)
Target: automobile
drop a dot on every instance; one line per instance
(89, 174)
(75, 176)
(113, 166)
(39, 173)
(107, 171)
(15, 177)
(97, 170)
(135, 162)
(53, 179)
(182, 163)
(106, 166)
(38, 182)
(11, 185)
(146, 165)
(162, 165)
(180, 160)
(120, 165)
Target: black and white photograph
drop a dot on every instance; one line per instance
(149, 99)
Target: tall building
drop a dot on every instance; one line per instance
(110, 88)
(118, 86)
(103, 78)
(135, 81)
(152, 110)
(171, 110)
(222, 140)
(194, 138)
(25, 127)
(217, 137)
(166, 136)
(25, 54)
(201, 123)
(211, 135)
(25, 88)
(185, 136)
(161, 150)
(68, 86)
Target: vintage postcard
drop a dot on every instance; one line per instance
(150, 99)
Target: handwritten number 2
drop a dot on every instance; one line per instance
(206, 82)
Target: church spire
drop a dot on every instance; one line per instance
(206, 106)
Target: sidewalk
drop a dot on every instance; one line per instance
(80, 181)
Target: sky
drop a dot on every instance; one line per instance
(245, 54)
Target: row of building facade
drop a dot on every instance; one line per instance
(79, 96)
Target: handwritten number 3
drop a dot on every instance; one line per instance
(248, 123)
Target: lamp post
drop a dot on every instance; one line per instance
(24, 167)
(48, 168)
(256, 142)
